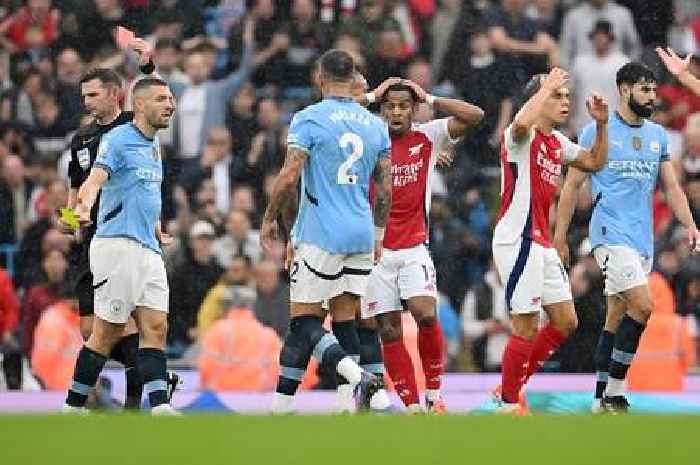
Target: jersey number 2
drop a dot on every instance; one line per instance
(349, 138)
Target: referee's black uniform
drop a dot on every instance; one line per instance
(83, 151)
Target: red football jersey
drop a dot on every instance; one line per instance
(413, 157)
(530, 175)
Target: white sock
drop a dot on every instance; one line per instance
(615, 387)
(432, 394)
(345, 402)
(349, 370)
(282, 403)
(380, 400)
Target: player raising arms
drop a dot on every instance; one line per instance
(405, 276)
(335, 146)
(621, 227)
(532, 155)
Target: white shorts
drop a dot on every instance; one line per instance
(533, 276)
(317, 275)
(126, 275)
(623, 267)
(399, 276)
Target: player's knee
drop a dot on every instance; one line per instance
(642, 310)
(85, 332)
(154, 333)
(568, 325)
(427, 321)
(390, 331)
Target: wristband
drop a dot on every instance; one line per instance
(371, 98)
(379, 233)
(148, 68)
(430, 99)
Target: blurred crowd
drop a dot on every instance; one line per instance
(239, 70)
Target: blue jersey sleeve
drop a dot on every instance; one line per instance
(587, 136)
(300, 134)
(109, 154)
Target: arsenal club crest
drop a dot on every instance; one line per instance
(637, 143)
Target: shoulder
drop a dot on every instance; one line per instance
(655, 129)
(119, 132)
(563, 139)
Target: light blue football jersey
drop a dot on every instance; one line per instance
(130, 203)
(623, 190)
(344, 142)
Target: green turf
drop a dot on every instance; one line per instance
(232, 440)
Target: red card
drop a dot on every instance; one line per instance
(123, 37)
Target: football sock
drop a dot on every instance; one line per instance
(152, 366)
(125, 352)
(87, 368)
(603, 351)
(547, 341)
(431, 350)
(626, 342)
(294, 358)
(400, 369)
(371, 359)
(514, 367)
(346, 334)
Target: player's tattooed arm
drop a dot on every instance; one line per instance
(283, 189)
(565, 211)
(87, 194)
(289, 213)
(383, 183)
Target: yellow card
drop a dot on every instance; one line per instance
(70, 218)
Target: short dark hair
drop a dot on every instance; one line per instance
(634, 72)
(400, 88)
(530, 88)
(148, 82)
(105, 75)
(337, 65)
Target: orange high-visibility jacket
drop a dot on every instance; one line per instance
(57, 341)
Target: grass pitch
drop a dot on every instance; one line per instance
(125, 439)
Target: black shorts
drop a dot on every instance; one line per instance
(81, 277)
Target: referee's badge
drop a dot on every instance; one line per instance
(637, 143)
(84, 158)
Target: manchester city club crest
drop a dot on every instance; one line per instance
(637, 143)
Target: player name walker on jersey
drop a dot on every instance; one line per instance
(131, 199)
(530, 176)
(343, 141)
(623, 190)
(413, 157)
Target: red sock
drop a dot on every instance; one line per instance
(544, 345)
(400, 369)
(431, 349)
(514, 367)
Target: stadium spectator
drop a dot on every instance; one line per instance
(57, 341)
(214, 304)
(39, 297)
(579, 21)
(33, 26)
(189, 283)
(690, 157)
(522, 46)
(238, 352)
(485, 322)
(9, 318)
(603, 58)
(272, 303)
(69, 70)
(306, 40)
(14, 199)
(240, 240)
